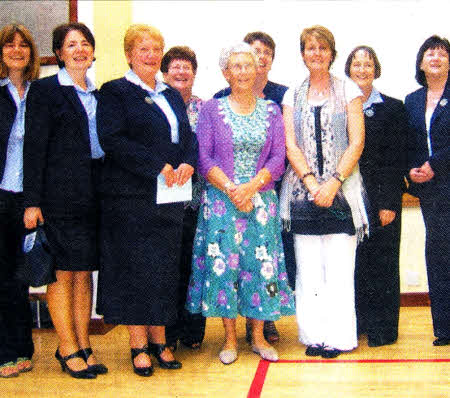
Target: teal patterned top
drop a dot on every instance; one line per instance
(249, 135)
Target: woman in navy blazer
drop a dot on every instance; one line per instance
(62, 158)
(19, 64)
(429, 162)
(145, 132)
(382, 165)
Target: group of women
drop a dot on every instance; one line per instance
(87, 164)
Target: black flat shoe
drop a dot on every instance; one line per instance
(441, 341)
(330, 353)
(157, 350)
(314, 350)
(145, 371)
(77, 374)
(270, 332)
(98, 368)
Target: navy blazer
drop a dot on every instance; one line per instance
(57, 151)
(136, 137)
(383, 161)
(8, 113)
(440, 142)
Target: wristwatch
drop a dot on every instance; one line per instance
(339, 177)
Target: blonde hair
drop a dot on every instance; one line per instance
(321, 34)
(7, 36)
(138, 31)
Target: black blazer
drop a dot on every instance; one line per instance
(135, 135)
(415, 104)
(57, 151)
(383, 161)
(8, 113)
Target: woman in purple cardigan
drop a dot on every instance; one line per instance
(238, 261)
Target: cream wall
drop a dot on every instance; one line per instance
(394, 28)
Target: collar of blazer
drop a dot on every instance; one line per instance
(7, 99)
(143, 97)
(443, 104)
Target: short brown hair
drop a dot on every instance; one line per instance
(7, 36)
(321, 34)
(263, 38)
(179, 52)
(137, 31)
(60, 33)
(432, 42)
(372, 55)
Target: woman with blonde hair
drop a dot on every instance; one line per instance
(145, 132)
(19, 65)
(322, 196)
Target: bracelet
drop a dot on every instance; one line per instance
(339, 177)
(309, 173)
(227, 186)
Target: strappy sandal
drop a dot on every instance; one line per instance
(9, 369)
(144, 371)
(97, 368)
(24, 364)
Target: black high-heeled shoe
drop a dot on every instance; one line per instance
(145, 371)
(98, 368)
(77, 374)
(157, 350)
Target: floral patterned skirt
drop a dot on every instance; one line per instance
(238, 261)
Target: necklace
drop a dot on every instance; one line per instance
(318, 93)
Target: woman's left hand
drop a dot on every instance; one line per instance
(183, 173)
(327, 191)
(242, 193)
(386, 216)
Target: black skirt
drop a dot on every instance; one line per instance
(140, 249)
(73, 240)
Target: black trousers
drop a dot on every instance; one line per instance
(377, 282)
(436, 215)
(189, 328)
(15, 312)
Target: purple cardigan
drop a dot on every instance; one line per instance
(215, 140)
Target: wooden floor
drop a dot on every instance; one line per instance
(409, 369)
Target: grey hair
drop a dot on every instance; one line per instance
(238, 48)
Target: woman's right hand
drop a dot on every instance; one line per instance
(32, 217)
(169, 174)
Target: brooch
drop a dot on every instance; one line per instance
(443, 102)
(148, 100)
(369, 112)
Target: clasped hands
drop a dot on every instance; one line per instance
(421, 174)
(179, 176)
(241, 196)
(324, 193)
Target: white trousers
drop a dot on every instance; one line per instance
(325, 292)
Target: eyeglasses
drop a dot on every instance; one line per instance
(181, 68)
(236, 68)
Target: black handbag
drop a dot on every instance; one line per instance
(37, 267)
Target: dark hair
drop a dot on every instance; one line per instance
(179, 52)
(7, 34)
(432, 42)
(372, 55)
(263, 38)
(60, 33)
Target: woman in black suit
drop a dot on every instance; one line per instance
(429, 163)
(19, 64)
(382, 165)
(61, 162)
(145, 132)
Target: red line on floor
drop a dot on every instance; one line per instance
(258, 380)
(363, 360)
(263, 366)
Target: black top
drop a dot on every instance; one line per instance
(57, 150)
(383, 161)
(135, 135)
(8, 113)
